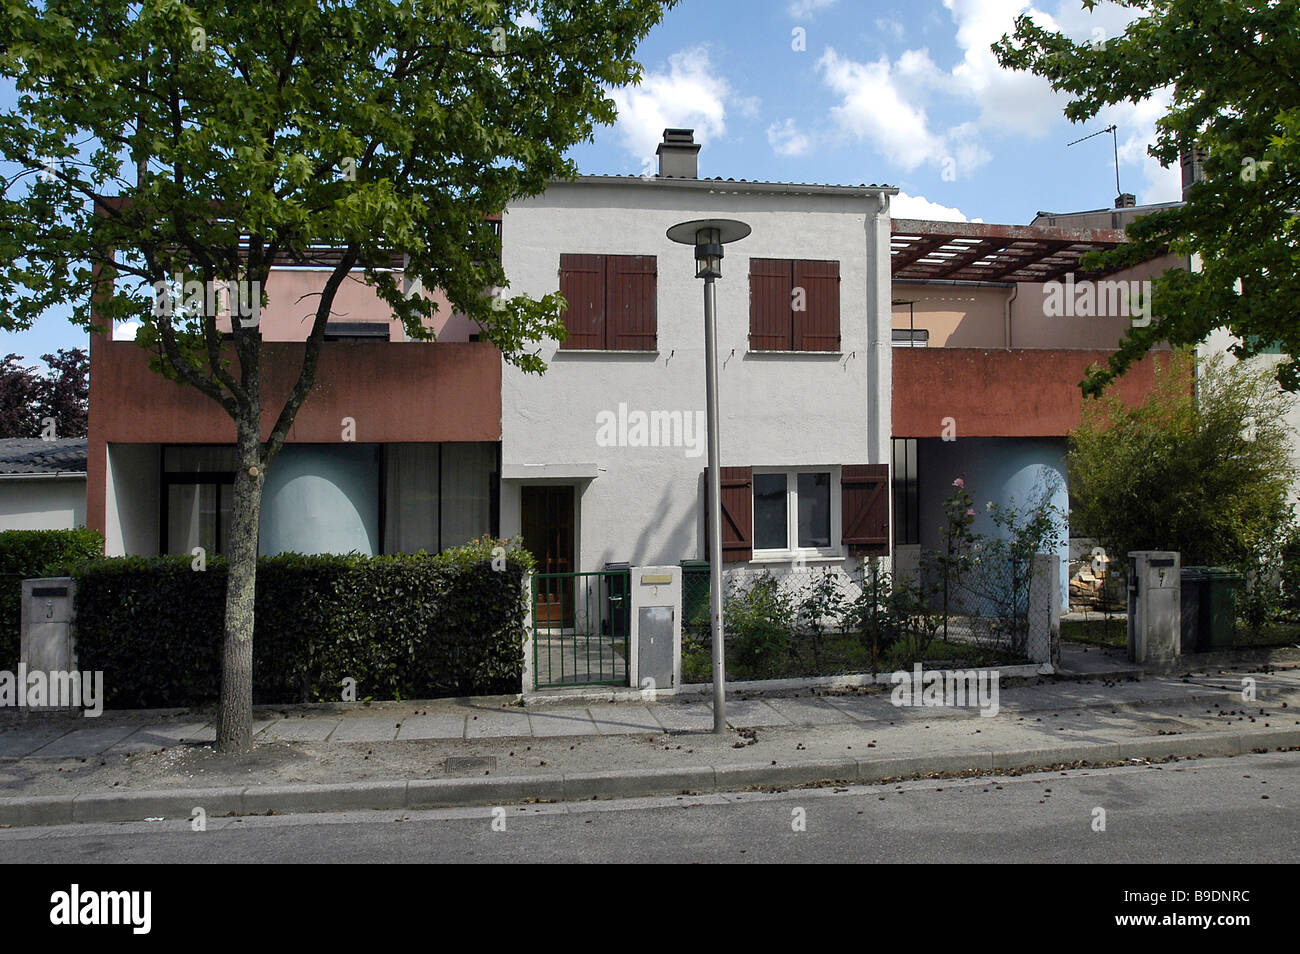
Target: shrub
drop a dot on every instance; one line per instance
(32, 553)
(407, 626)
(760, 622)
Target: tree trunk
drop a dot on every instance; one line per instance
(235, 715)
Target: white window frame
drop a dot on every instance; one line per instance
(792, 549)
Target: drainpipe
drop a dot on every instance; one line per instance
(1007, 309)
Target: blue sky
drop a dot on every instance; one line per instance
(903, 92)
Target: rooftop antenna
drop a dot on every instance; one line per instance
(1115, 139)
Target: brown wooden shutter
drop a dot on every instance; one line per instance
(630, 303)
(582, 283)
(770, 283)
(737, 513)
(817, 328)
(864, 508)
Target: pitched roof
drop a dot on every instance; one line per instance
(32, 455)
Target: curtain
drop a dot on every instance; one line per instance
(411, 498)
(466, 491)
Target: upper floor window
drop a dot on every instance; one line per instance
(612, 302)
(794, 305)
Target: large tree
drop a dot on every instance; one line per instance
(1231, 67)
(216, 140)
(1205, 471)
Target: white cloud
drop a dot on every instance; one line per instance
(786, 140)
(688, 93)
(126, 330)
(875, 106)
(892, 27)
(904, 206)
(807, 8)
(887, 103)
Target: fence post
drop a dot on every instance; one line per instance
(527, 683)
(1045, 612)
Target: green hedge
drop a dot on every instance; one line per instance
(403, 627)
(31, 553)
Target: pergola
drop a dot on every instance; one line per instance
(925, 250)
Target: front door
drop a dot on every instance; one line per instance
(547, 519)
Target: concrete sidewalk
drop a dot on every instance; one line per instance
(125, 732)
(479, 752)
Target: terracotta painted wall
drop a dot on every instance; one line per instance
(400, 392)
(1020, 393)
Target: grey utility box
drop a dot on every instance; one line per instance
(46, 644)
(654, 651)
(656, 617)
(1154, 605)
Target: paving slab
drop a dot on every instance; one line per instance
(366, 729)
(561, 722)
(440, 725)
(624, 720)
(864, 708)
(84, 742)
(303, 730)
(497, 724)
(154, 737)
(809, 711)
(747, 713)
(15, 743)
(690, 717)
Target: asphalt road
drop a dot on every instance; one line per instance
(1243, 810)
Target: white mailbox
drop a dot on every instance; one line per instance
(1154, 605)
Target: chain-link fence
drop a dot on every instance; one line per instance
(797, 620)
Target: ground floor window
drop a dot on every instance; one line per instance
(437, 496)
(198, 486)
(907, 499)
(793, 510)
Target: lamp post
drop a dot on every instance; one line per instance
(708, 236)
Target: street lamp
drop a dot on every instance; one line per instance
(708, 236)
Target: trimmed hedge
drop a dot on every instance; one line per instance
(409, 626)
(25, 554)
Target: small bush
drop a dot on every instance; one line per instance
(25, 554)
(408, 626)
(760, 622)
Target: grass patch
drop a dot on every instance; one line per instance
(1107, 632)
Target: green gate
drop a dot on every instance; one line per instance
(581, 625)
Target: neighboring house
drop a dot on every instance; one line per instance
(987, 367)
(396, 449)
(42, 483)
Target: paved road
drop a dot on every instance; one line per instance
(1191, 811)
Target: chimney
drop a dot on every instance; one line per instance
(679, 155)
(1125, 200)
(1193, 162)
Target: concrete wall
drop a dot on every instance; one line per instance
(1000, 471)
(322, 499)
(1021, 393)
(292, 296)
(42, 503)
(131, 504)
(965, 316)
(645, 504)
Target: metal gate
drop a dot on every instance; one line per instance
(581, 625)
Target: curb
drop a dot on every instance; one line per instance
(178, 804)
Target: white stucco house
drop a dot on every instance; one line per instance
(603, 457)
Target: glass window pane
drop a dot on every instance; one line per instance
(411, 498)
(814, 510)
(770, 521)
(191, 517)
(466, 491)
(200, 459)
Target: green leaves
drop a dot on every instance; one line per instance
(414, 626)
(1231, 68)
(1204, 473)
